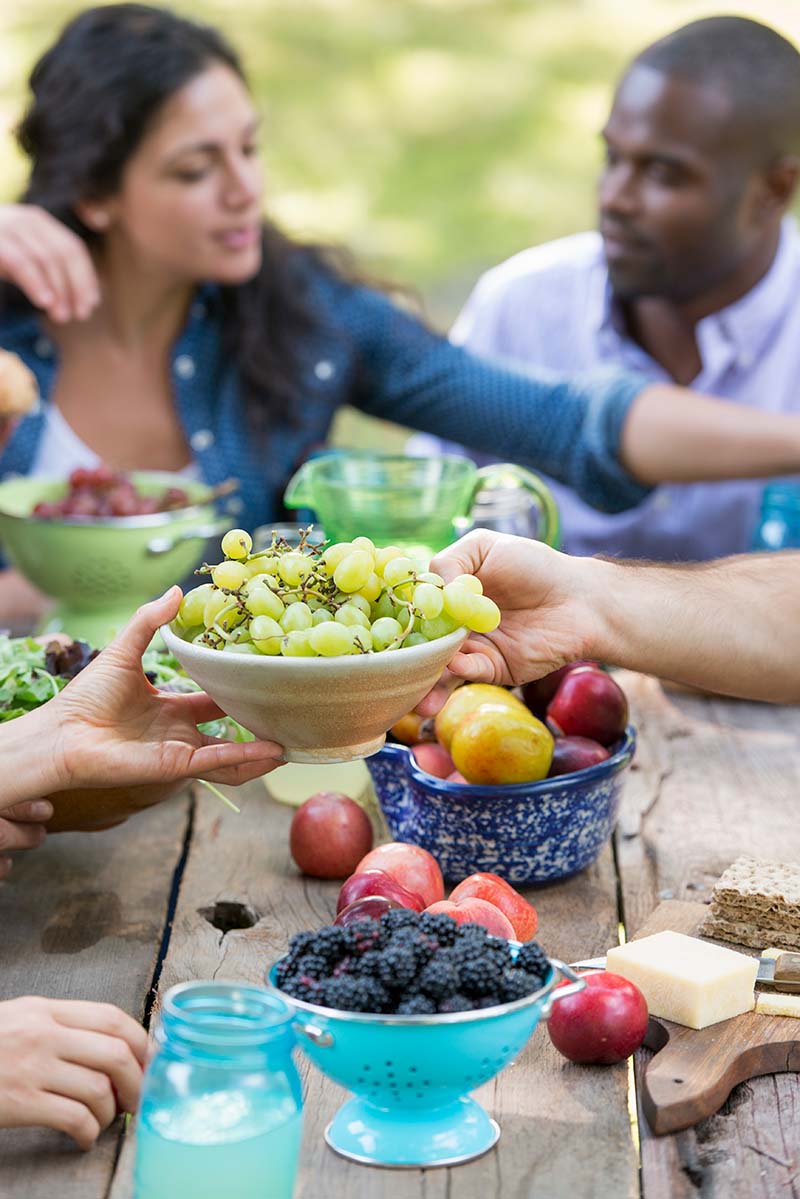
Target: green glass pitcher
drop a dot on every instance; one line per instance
(418, 504)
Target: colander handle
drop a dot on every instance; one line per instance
(576, 983)
(317, 1036)
(163, 545)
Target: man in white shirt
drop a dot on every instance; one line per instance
(694, 275)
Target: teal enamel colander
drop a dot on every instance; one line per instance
(100, 569)
(411, 1075)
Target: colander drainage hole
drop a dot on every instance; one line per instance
(505, 1048)
(412, 1069)
(486, 1061)
(226, 915)
(388, 1063)
(366, 1069)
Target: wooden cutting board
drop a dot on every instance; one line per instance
(693, 1071)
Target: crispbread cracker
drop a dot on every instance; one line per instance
(760, 883)
(752, 935)
(763, 919)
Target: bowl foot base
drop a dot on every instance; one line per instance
(336, 753)
(412, 1138)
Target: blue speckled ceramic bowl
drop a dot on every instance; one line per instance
(527, 832)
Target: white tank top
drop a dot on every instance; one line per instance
(61, 450)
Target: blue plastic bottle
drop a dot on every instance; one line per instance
(779, 523)
(221, 1108)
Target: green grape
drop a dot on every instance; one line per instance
(294, 568)
(330, 639)
(440, 627)
(266, 564)
(459, 601)
(240, 633)
(372, 588)
(260, 601)
(322, 616)
(469, 583)
(353, 571)
(428, 600)
(385, 631)
(298, 616)
(384, 555)
(358, 601)
(362, 639)
(237, 544)
(334, 554)
(229, 575)
(386, 606)
(262, 628)
(192, 605)
(415, 639)
(241, 647)
(215, 603)
(352, 616)
(296, 645)
(229, 618)
(397, 569)
(364, 543)
(485, 615)
(430, 576)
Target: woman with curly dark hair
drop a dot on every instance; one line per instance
(169, 326)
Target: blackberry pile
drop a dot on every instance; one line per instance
(409, 964)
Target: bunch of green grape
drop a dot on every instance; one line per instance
(319, 600)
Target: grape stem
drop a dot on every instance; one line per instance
(216, 791)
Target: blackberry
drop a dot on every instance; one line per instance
(397, 967)
(361, 936)
(300, 943)
(300, 986)
(312, 965)
(413, 940)
(399, 918)
(516, 983)
(367, 964)
(329, 944)
(488, 1001)
(533, 958)
(350, 994)
(416, 1005)
(438, 979)
(479, 976)
(440, 926)
(472, 934)
(284, 970)
(455, 1003)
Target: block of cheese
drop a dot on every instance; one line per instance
(687, 980)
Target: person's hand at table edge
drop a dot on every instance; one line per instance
(68, 1065)
(111, 727)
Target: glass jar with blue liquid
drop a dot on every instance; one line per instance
(779, 523)
(221, 1108)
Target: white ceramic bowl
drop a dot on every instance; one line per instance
(318, 709)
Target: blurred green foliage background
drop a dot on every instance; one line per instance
(434, 137)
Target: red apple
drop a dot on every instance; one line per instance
(497, 891)
(603, 1024)
(589, 703)
(575, 753)
(433, 758)
(411, 865)
(476, 911)
(329, 835)
(538, 693)
(369, 907)
(377, 882)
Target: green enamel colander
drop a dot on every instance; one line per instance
(100, 569)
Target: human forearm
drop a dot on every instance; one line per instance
(731, 626)
(675, 435)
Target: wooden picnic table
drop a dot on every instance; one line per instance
(122, 915)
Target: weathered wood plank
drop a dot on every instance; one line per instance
(565, 1130)
(83, 918)
(715, 778)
